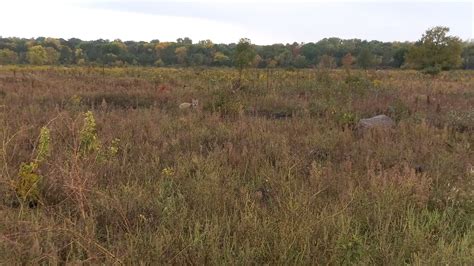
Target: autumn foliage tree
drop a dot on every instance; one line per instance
(434, 49)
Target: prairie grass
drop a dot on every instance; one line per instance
(272, 173)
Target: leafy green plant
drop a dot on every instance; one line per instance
(223, 103)
(436, 51)
(348, 119)
(350, 249)
(89, 142)
(431, 70)
(113, 148)
(321, 108)
(398, 110)
(74, 103)
(27, 187)
(461, 121)
(44, 145)
(28, 184)
(358, 83)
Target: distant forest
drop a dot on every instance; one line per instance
(329, 51)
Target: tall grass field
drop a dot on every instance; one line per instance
(101, 166)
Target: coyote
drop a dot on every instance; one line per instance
(193, 104)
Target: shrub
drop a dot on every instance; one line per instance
(321, 108)
(277, 108)
(358, 83)
(225, 104)
(28, 185)
(432, 70)
(192, 188)
(462, 121)
(398, 110)
(89, 142)
(355, 80)
(347, 119)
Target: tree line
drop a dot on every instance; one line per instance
(328, 53)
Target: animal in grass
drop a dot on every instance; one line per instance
(193, 104)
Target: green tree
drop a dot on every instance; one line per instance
(205, 52)
(185, 41)
(436, 50)
(197, 59)
(256, 61)
(53, 43)
(159, 63)
(111, 59)
(161, 52)
(399, 56)
(206, 44)
(115, 53)
(347, 62)
(8, 56)
(65, 55)
(271, 63)
(220, 59)
(285, 58)
(300, 61)
(181, 54)
(244, 56)
(468, 57)
(37, 55)
(79, 56)
(327, 62)
(365, 59)
(52, 56)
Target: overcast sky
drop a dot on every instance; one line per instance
(263, 21)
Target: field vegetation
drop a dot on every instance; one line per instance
(100, 166)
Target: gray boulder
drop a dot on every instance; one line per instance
(379, 121)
